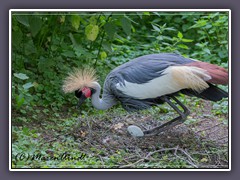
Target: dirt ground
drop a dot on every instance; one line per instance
(201, 144)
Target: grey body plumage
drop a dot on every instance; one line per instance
(142, 70)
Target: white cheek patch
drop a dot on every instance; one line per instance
(173, 79)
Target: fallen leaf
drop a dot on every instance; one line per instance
(204, 160)
(118, 126)
(82, 133)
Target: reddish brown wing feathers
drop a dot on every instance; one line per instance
(219, 75)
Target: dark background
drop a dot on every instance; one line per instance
(234, 5)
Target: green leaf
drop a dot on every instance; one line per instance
(107, 46)
(62, 19)
(29, 47)
(23, 19)
(208, 26)
(207, 50)
(79, 51)
(72, 39)
(54, 47)
(75, 20)
(146, 13)
(107, 14)
(177, 20)
(68, 53)
(200, 23)
(93, 20)
(170, 29)
(183, 46)
(17, 37)
(91, 31)
(180, 35)
(28, 85)
(157, 13)
(187, 40)
(103, 55)
(35, 25)
(21, 76)
(185, 27)
(110, 29)
(126, 25)
(222, 54)
(156, 28)
(204, 160)
(20, 100)
(25, 130)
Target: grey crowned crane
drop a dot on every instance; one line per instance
(148, 81)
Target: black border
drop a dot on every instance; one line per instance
(141, 4)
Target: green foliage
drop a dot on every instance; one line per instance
(21, 91)
(47, 46)
(221, 107)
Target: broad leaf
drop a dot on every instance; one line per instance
(75, 20)
(35, 25)
(17, 37)
(126, 25)
(110, 29)
(29, 47)
(207, 50)
(146, 13)
(156, 28)
(183, 46)
(187, 40)
(28, 85)
(21, 76)
(93, 20)
(91, 31)
(20, 100)
(103, 55)
(107, 46)
(68, 53)
(170, 29)
(23, 19)
(200, 23)
(180, 35)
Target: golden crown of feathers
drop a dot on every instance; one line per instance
(78, 79)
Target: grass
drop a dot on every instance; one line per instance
(101, 140)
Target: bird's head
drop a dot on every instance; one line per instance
(82, 82)
(83, 94)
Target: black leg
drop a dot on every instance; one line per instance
(178, 120)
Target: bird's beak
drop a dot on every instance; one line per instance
(81, 100)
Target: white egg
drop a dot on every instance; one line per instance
(135, 131)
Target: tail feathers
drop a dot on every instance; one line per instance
(213, 93)
(218, 74)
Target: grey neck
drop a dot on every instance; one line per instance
(106, 102)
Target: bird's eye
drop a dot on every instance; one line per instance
(93, 90)
(78, 93)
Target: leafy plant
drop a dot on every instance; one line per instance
(46, 46)
(21, 91)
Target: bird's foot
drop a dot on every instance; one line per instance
(137, 132)
(164, 127)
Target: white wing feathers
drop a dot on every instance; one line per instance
(173, 79)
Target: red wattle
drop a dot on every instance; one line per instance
(87, 92)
